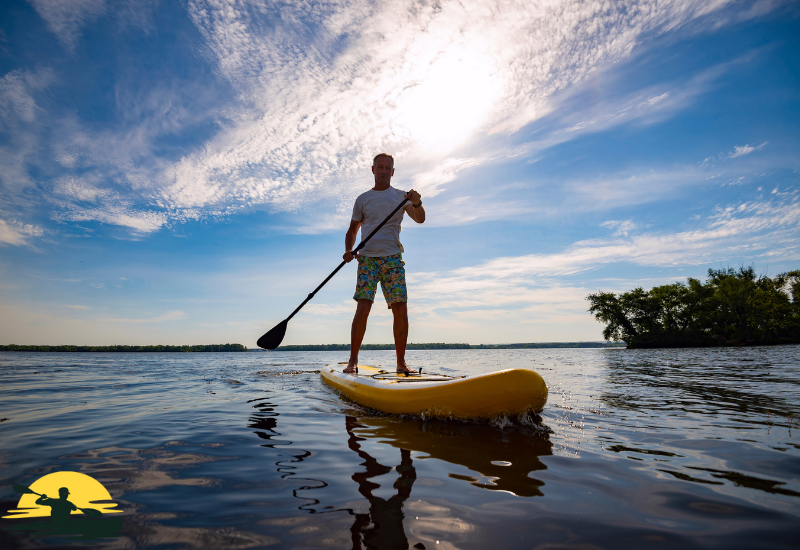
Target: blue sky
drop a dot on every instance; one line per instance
(184, 172)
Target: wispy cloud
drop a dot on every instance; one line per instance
(595, 193)
(321, 87)
(741, 150)
(417, 80)
(66, 18)
(430, 183)
(18, 234)
(621, 228)
(80, 201)
(166, 317)
(20, 117)
(541, 297)
(16, 95)
(749, 230)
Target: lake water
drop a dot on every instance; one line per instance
(635, 449)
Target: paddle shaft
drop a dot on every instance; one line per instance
(28, 490)
(341, 265)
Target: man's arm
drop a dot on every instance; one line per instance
(350, 240)
(416, 213)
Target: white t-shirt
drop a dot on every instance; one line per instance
(371, 209)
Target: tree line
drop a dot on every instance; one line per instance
(209, 347)
(732, 307)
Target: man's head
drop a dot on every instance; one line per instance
(383, 155)
(383, 168)
(63, 492)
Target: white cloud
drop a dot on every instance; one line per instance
(622, 227)
(321, 87)
(738, 151)
(748, 230)
(16, 95)
(79, 199)
(429, 183)
(542, 297)
(140, 221)
(78, 189)
(17, 233)
(166, 317)
(741, 150)
(414, 79)
(66, 18)
(20, 115)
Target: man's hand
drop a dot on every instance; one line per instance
(349, 256)
(415, 209)
(413, 197)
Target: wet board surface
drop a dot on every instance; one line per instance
(376, 373)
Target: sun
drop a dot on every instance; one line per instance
(452, 100)
(85, 492)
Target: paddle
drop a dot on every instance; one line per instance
(274, 337)
(91, 512)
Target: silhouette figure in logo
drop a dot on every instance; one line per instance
(381, 528)
(60, 508)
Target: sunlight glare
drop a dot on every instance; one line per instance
(452, 101)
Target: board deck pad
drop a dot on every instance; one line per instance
(401, 377)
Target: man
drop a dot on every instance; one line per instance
(61, 508)
(381, 258)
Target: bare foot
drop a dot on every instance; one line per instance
(351, 368)
(404, 368)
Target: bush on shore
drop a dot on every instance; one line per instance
(733, 307)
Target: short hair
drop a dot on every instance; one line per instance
(385, 155)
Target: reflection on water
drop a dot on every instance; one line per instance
(503, 459)
(664, 448)
(382, 526)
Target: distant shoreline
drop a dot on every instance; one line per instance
(128, 349)
(539, 345)
(307, 347)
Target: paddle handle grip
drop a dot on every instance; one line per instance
(341, 265)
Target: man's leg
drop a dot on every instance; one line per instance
(400, 328)
(357, 331)
(393, 285)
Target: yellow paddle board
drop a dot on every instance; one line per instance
(510, 391)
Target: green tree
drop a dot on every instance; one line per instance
(733, 306)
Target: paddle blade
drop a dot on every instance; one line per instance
(91, 512)
(22, 489)
(274, 337)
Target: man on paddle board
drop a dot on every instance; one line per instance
(381, 258)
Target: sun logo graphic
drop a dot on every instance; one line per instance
(61, 494)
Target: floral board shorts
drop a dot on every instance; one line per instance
(389, 271)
